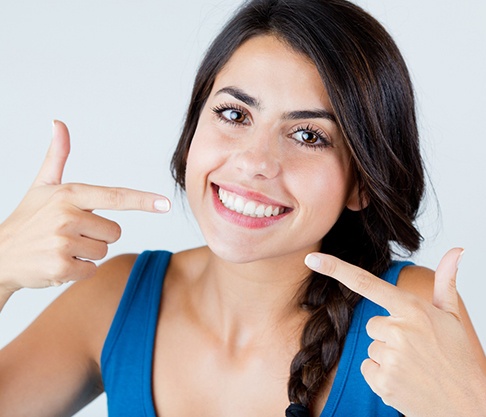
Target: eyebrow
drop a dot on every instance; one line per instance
(242, 96)
(293, 115)
(310, 114)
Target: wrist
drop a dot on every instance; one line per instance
(6, 286)
(5, 294)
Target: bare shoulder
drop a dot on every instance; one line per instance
(94, 301)
(417, 280)
(55, 361)
(83, 313)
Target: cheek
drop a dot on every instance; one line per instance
(202, 158)
(324, 188)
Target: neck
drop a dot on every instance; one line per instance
(244, 304)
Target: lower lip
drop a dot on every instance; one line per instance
(240, 219)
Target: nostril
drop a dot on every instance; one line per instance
(258, 164)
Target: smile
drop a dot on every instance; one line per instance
(247, 207)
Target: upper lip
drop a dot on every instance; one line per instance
(251, 195)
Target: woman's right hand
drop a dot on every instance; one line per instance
(53, 236)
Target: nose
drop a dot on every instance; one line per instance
(258, 158)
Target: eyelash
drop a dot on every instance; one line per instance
(322, 141)
(321, 136)
(221, 108)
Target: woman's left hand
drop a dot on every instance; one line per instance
(421, 361)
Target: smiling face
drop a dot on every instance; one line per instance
(268, 172)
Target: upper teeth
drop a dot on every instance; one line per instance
(247, 207)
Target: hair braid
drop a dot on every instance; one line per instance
(322, 337)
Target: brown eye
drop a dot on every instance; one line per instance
(234, 115)
(309, 137)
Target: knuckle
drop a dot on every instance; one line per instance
(114, 197)
(363, 281)
(102, 251)
(61, 245)
(116, 231)
(371, 325)
(65, 220)
(142, 203)
(385, 387)
(372, 349)
(416, 308)
(60, 270)
(395, 333)
(64, 192)
(331, 265)
(393, 363)
(112, 232)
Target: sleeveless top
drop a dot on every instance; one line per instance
(126, 359)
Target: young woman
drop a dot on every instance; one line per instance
(300, 150)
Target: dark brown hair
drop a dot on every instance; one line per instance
(372, 98)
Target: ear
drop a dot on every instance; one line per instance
(358, 199)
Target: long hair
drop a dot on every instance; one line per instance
(372, 98)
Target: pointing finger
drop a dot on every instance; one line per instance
(360, 281)
(57, 154)
(445, 292)
(91, 197)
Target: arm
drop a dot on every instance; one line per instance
(53, 367)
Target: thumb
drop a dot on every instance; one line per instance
(57, 154)
(445, 291)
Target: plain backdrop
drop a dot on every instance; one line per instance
(119, 73)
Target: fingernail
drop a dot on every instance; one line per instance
(162, 205)
(312, 261)
(459, 258)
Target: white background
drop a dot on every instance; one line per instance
(119, 73)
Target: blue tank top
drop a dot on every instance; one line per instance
(126, 359)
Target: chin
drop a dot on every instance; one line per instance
(236, 254)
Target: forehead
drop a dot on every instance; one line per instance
(267, 68)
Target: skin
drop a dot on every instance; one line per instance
(229, 307)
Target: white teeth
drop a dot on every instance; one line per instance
(239, 205)
(260, 211)
(223, 197)
(247, 207)
(230, 203)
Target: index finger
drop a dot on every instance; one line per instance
(360, 281)
(93, 197)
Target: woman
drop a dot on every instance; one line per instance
(300, 138)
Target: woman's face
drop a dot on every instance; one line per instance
(268, 172)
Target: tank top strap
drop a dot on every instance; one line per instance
(350, 394)
(126, 359)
